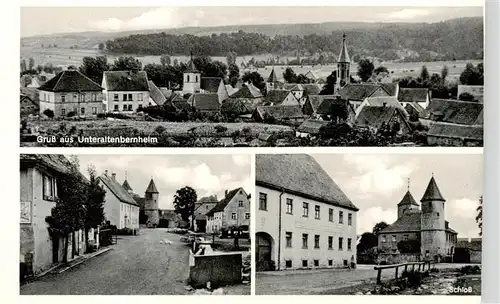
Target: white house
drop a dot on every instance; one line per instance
(125, 91)
(304, 220)
(232, 211)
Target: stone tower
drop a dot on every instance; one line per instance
(407, 204)
(192, 79)
(433, 234)
(343, 65)
(151, 204)
(126, 185)
(272, 81)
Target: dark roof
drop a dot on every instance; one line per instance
(413, 94)
(191, 68)
(312, 126)
(210, 84)
(316, 100)
(126, 81)
(56, 162)
(276, 97)
(126, 185)
(223, 203)
(358, 91)
(272, 77)
(449, 130)
(344, 55)
(118, 190)
(311, 89)
(299, 174)
(328, 105)
(156, 94)
(390, 88)
(32, 93)
(151, 187)
(293, 87)
(200, 210)
(166, 92)
(70, 81)
(376, 116)
(204, 101)
(280, 112)
(409, 222)
(408, 200)
(432, 192)
(417, 107)
(248, 91)
(453, 111)
(388, 101)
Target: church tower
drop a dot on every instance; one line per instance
(432, 223)
(407, 204)
(192, 78)
(343, 65)
(151, 209)
(272, 81)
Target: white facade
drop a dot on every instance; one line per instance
(120, 214)
(191, 83)
(313, 234)
(125, 101)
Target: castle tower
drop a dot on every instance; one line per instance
(272, 81)
(126, 185)
(407, 204)
(151, 209)
(433, 235)
(343, 65)
(192, 78)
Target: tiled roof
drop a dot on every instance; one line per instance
(328, 105)
(408, 200)
(432, 192)
(453, 111)
(409, 222)
(247, 91)
(293, 87)
(276, 97)
(311, 89)
(56, 162)
(204, 101)
(389, 101)
(200, 210)
(272, 77)
(413, 94)
(358, 91)
(376, 116)
(126, 185)
(156, 94)
(210, 84)
(417, 107)
(70, 81)
(230, 90)
(280, 112)
(316, 100)
(299, 174)
(449, 130)
(166, 92)
(312, 126)
(191, 68)
(126, 81)
(223, 203)
(118, 190)
(344, 54)
(151, 187)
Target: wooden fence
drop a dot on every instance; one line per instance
(421, 268)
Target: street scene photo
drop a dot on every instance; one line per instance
(135, 224)
(251, 76)
(368, 224)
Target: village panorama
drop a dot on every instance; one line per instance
(325, 84)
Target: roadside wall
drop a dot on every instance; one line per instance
(219, 270)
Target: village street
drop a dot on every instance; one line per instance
(307, 282)
(137, 265)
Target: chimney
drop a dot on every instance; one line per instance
(106, 172)
(113, 176)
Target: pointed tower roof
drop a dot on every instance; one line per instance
(408, 200)
(344, 55)
(432, 192)
(272, 77)
(191, 67)
(151, 187)
(126, 186)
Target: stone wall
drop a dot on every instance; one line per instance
(390, 258)
(219, 270)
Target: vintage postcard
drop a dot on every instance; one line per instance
(251, 76)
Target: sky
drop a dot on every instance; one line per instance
(377, 183)
(50, 20)
(207, 174)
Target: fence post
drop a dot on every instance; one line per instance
(379, 274)
(406, 267)
(397, 272)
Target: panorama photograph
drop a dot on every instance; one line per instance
(251, 76)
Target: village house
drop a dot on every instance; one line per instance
(452, 111)
(232, 212)
(248, 90)
(477, 91)
(391, 88)
(420, 96)
(377, 118)
(40, 175)
(280, 97)
(312, 102)
(309, 89)
(455, 135)
(336, 109)
(157, 98)
(356, 93)
(71, 93)
(278, 113)
(125, 91)
(414, 110)
(28, 106)
(384, 101)
(120, 208)
(215, 85)
(423, 224)
(204, 102)
(311, 128)
(201, 208)
(304, 220)
(40, 79)
(468, 250)
(311, 76)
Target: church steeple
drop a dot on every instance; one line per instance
(344, 54)
(192, 78)
(343, 64)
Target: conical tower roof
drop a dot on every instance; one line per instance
(408, 200)
(272, 77)
(151, 187)
(191, 67)
(432, 192)
(344, 55)
(126, 186)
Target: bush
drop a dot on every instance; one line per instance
(160, 129)
(246, 130)
(470, 269)
(71, 114)
(125, 231)
(414, 278)
(49, 113)
(220, 129)
(434, 270)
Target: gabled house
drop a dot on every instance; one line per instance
(311, 127)
(297, 89)
(280, 97)
(214, 85)
(422, 96)
(309, 89)
(205, 102)
(311, 76)
(377, 118)
(40, 79)
(242, 107)
(156, 97)
(392, 88)
(232, 212)
(452, 111)
(27, 105)
(337, 109)
(248, 91)
(201, 208)
(312, 103)
(71, 92)
(281, 113)
(385, 101)
(125, 91)
(455, 135)
(356, 93)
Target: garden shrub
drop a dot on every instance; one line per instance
(414, 278)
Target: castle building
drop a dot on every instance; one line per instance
(150, 207)
(343, 65)
(425, 223)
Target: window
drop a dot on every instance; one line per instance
(316, 212)
(330, 215)
(289, 206)
(83, 98)
(316, 263)
(305, 209)
(75, 97)
(124, 107)
(316, 241)
(304, 240)
(130, 107)
(262, 201)
(438, 214)
(330, 242)
(63, 98)
(384, 239)
(304, 263)
(124, 97)
(349, 219)
(82, 111)
(63, 112)
(330, 262)
(94, 110)
(349, 244)
(341, 217)
(187, 78)
(139, 96)
(130, 97)
(93, 97)
(48, 187)
(341, 241)
(196, 78)
(288, 236)
(115, 97)
(288, 264)
(116, 108)
(247, 216)
(240, 204)
(233, 216)
(394, 238)
(405, 237)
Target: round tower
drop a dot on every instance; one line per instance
(343, 65)
(192, 78)
(407, 204)
(432, 223)
(151, 209)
